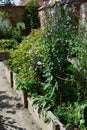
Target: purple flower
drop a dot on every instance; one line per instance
(65, 6)
(59, 2)
(57, 28)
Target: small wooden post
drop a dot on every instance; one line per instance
(11, 78)
(55, 125)
(25, 104)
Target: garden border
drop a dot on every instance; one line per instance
(27, 102)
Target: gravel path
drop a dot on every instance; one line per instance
(12, 114)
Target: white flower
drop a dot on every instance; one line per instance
(39, 63)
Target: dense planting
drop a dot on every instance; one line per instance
(51, 67)
(25, 60)
(7, 44)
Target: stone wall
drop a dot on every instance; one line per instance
(19, 14)
(42, 17)
(15, 13)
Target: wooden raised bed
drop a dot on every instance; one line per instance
(4, 56)
(54, 124)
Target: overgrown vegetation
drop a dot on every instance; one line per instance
(7, 44)
(51, 67)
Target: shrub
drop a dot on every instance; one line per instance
(25, 58)
(15, 34)
(72, 115)
(7, 44)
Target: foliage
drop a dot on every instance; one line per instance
(28, 52)
(20, 25)
(32, 3)
(72, 114)
(62, 76)
(31, 14)
(15, 33)
(58, 71)
(7, 44)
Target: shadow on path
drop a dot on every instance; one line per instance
(7, 106)
(8, 124)
(1, 123)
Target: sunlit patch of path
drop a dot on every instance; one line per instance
(12, 114)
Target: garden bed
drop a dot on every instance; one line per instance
(4, 56)
(54, 123)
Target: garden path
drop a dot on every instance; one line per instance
(12, 114)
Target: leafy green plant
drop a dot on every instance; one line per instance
(32, 3)
(7, 44)
(31, 11)
(58, 71)
(25, 59)
(72, 114)
(15, 33)
(63, 77)
(20, 25)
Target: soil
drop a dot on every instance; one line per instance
(12, 114)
